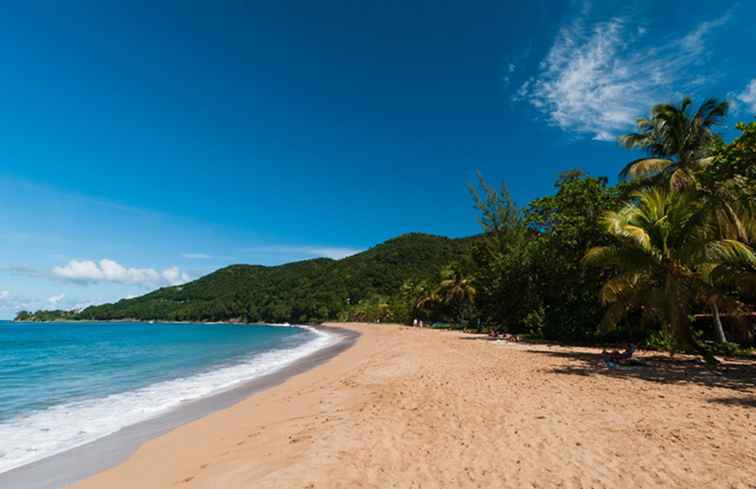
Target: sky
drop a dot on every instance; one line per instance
(145, 144)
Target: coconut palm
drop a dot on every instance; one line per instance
(677, 141)
(417, 294)
(666, 254)
(456, 290)
(733, 275)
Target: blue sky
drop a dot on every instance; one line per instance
(146, 145)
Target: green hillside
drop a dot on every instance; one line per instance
(311, 290)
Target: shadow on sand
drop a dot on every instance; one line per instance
(739, 376)
(736, 401)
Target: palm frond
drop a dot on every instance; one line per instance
(636, 140)
(644, 167)
(618, 287)
(634, 295)
(727, 276)
(680, 179)
(619, 257)
(712, 112)
(731, 252)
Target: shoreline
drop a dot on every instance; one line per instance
(156, 321)
(78, 463)
(410, 407)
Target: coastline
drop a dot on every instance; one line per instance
(152, 321)
(410, 407)
(80, 462)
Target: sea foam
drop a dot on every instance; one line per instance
(38, 435)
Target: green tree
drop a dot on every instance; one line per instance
(678, 141)
(415, 294)
(662, 242)
(505, 293)
(734, 166)
(567, 225)
(456, 290)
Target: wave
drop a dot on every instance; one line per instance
(38, 435)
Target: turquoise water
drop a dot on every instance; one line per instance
(65, 384)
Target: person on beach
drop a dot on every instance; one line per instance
(614, 358)
(510, 337)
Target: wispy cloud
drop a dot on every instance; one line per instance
(598, 77)
(748, 96)
(335, 253)
(21, 271)
(4, 295)
(55, 299)
(89, 271)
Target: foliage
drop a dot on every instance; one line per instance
(678, 141)
(302, 292)
(414, 298)
(530, 279)
(504, 285)
(659, 339)
(567, 225)
(733, 167)
(727, 349)
(664, 250)
(54, 315)
(673, 240)
(457, 292)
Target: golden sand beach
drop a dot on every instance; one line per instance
(416, 408)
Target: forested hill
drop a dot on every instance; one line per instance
(305, 291)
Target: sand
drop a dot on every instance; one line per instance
(412, 408)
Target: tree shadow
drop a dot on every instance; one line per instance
(470, 337)
(739, 376)
(736, 401)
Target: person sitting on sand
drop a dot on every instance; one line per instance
(493, 335)
(614, 358)
(509, 337)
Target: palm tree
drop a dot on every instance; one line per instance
(666, 254)
(417, 294)
(737, 274)
(677, 140)
(456, 290)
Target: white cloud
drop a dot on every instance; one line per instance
(4, 294)
(335, 253)
(196, 256)
(88, 271)
(55, 299)
(748, 96)
(598, 77)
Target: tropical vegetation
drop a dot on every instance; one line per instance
(665, 256)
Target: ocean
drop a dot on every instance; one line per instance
(66, 384)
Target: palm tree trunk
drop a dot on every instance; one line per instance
(678, 318)
(718, 324)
